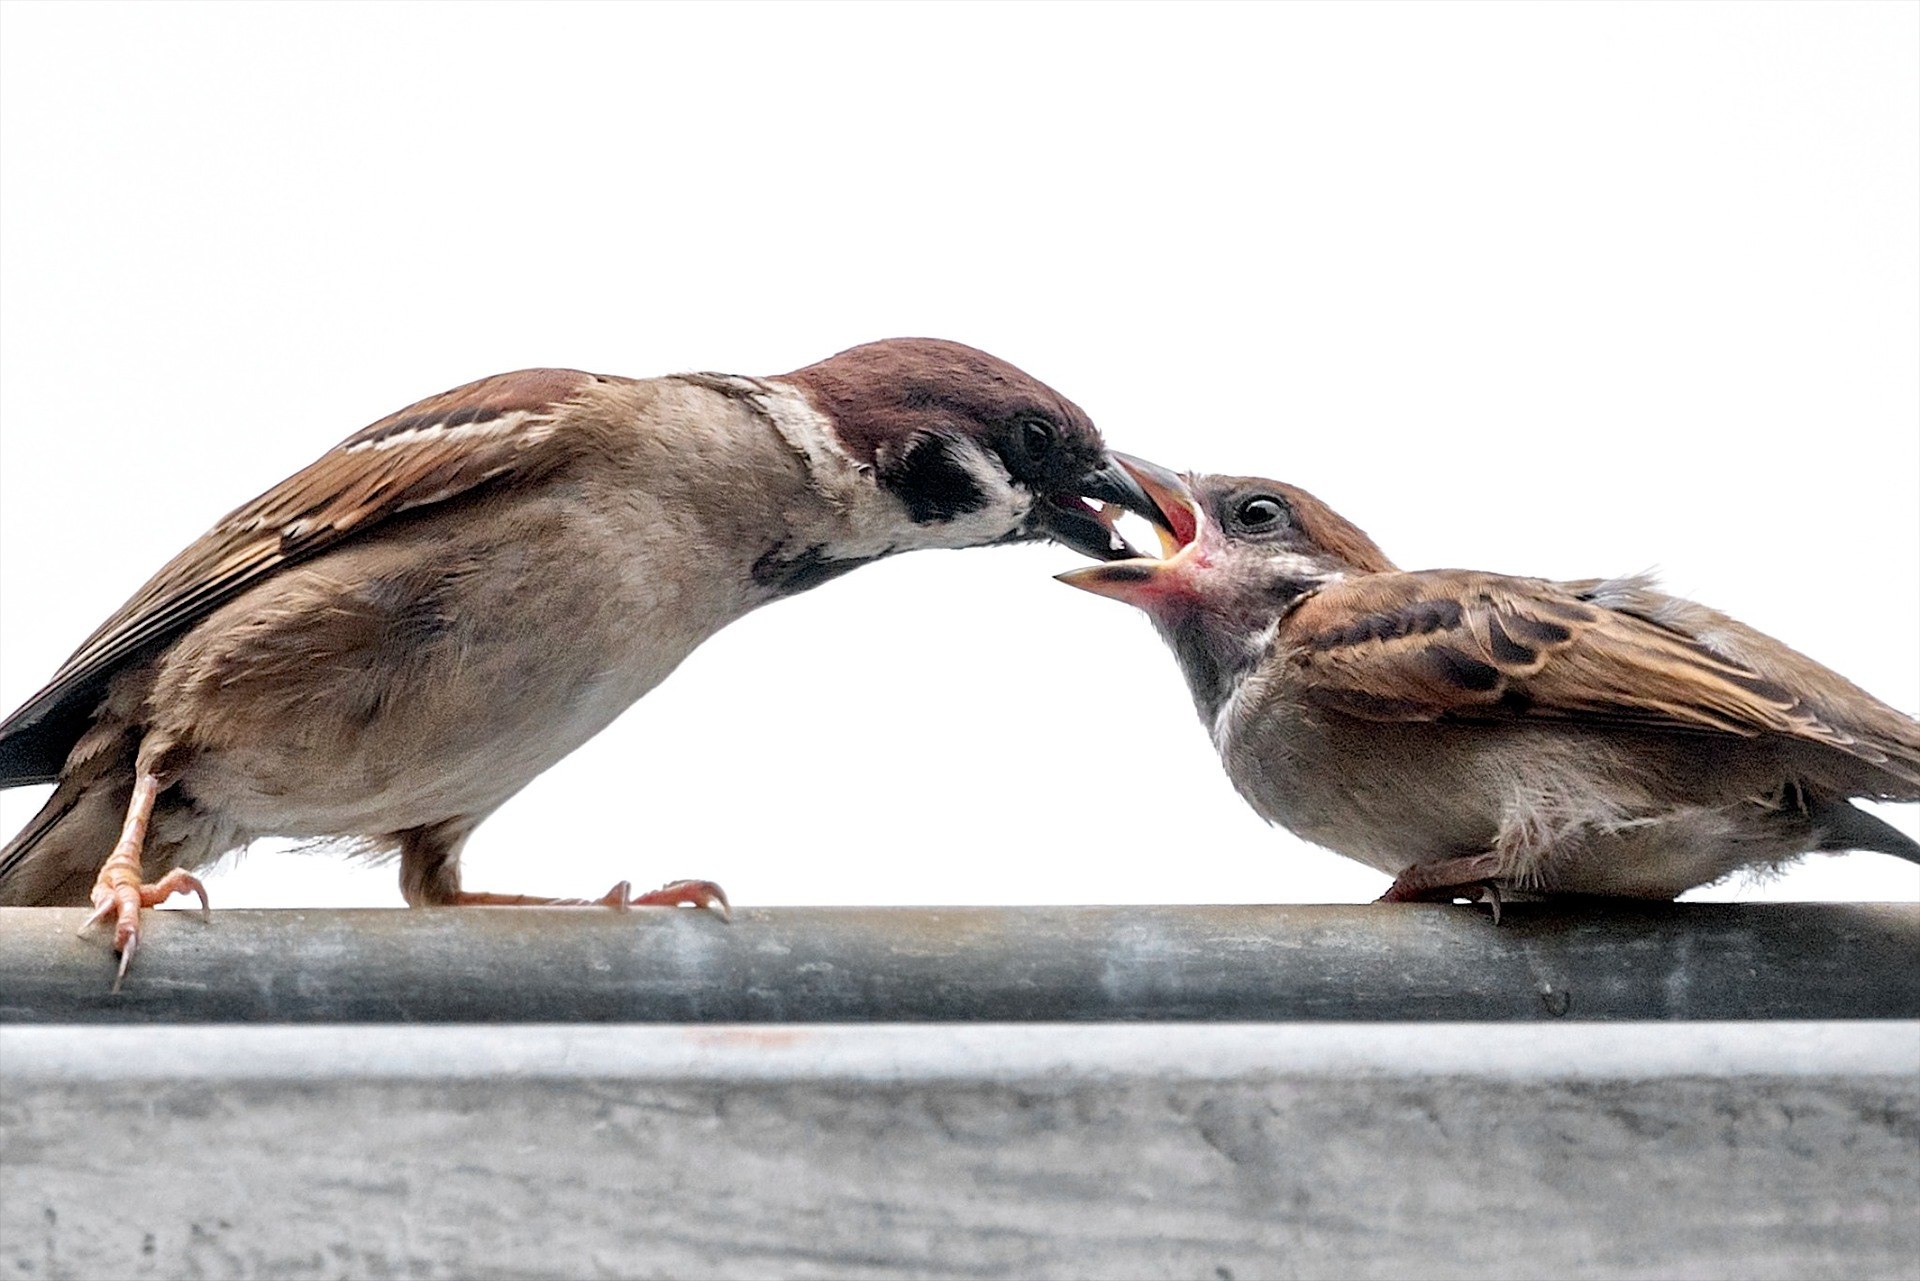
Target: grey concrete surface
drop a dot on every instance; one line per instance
(1011, 1052)
(1403, 962)
(1215, 1153)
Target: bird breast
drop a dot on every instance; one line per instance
(1389, 795)
(431, 670)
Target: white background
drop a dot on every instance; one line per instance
(1552, 290)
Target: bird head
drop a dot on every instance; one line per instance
(1238, 553)
(975, 450)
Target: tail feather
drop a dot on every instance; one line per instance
(1846, 827)
(53, 860)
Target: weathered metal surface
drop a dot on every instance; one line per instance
(1582, 961)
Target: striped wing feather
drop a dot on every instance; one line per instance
(1460, 645)
(427, 453)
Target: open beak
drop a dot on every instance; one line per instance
(1083, 517)
(1176, 520)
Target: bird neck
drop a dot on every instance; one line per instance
(1215, 658)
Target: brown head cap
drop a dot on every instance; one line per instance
(884, 392)
(916, 410)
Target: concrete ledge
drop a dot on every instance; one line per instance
(1402, 963)
(958, 1052)
(1585, 1151)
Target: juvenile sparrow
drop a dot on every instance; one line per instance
(390, 643)
(1470, 733)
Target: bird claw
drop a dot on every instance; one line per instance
(121, 894)
(1445, 881)
(99, 913)
(620, 898)
(700, 894)
(1479, 892)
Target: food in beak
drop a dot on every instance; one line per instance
(1083, 519)
(1176, 516)
(1176, 519)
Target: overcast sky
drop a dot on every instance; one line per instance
(1543, 289)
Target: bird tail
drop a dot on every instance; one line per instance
(53, 860)
(1846, 827)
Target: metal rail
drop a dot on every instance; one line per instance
(1415, 963)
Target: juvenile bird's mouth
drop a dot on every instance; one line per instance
(1176, 518)
(1083, 518)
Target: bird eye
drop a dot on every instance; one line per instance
(1260, 512)
(1036, 437)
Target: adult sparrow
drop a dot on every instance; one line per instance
(393, 641)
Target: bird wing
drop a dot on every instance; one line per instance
(1460, 645)
(429, 452)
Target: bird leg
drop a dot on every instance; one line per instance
(120, 892)
(1470, 878)
(430, 877)
(621, 897)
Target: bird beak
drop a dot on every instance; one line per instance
(1177, 521)
(1082, 518)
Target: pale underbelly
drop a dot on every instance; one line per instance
(1571, 814)
(460, 746)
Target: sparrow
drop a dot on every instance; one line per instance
(1471, 733)
(390, 643)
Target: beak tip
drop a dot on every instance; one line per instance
(1121, 580)
(1170, 502)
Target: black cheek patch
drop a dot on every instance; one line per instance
(930, 480)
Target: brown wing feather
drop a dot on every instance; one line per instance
(427, 453)
(1453, 644)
